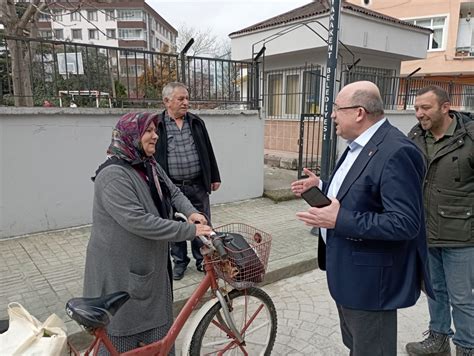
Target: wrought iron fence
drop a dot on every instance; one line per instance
(398, 93)
(57, 73)
(291, 92)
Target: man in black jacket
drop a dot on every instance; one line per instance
(184, 150)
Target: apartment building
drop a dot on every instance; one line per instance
(451, 46)
(116, 23)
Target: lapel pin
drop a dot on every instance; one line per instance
(370, 153)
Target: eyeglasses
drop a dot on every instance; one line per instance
(335, 107)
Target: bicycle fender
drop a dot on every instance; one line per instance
(193, 324)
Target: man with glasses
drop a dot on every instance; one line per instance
(445, 137)
(372, 240)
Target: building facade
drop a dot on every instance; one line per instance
(293, 66)
(116, 23)
(450, 54)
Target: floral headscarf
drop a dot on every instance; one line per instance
(127, 134)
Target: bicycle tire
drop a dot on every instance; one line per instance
(209, 338)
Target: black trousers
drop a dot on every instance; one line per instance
(367, 333)
(199, 197)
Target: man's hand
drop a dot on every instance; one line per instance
(215, 186)
(321, 217)
(197, 218)
(302, 185)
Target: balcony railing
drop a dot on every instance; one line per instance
(465, 51)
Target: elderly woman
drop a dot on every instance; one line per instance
(131, 228)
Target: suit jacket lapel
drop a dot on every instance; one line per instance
(369, 151)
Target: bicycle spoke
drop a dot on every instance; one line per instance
(254, 315)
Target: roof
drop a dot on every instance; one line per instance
(319, 7)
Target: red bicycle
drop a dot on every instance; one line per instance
(239, 318)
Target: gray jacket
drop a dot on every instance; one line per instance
(128, 247)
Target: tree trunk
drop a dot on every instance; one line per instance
(21, 79)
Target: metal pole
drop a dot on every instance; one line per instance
(183, 59)
(330, 85)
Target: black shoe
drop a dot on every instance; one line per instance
(200, 268)
(435, 344)
(178, 272)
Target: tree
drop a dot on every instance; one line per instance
(155, 76)
(205, 42)
(19, 20)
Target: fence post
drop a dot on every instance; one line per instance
(407, 86)
(183, 60)
(450, 90)
(407, 81)
(256, 85)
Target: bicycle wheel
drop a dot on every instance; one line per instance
(255, 317)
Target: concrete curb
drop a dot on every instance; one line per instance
(279, 195)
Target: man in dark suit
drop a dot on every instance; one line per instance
(372, 240)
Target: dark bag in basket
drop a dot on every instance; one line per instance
(245, 259)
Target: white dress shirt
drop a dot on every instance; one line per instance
(355, 148)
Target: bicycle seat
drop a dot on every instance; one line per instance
(95, 312)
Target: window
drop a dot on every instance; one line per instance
(382, 77)
(292, 93)
(92, 15)
(129, 15)
(109, 15)
(312, 92)
(58, 15)
(93, 34)
(59, 34)
(275, 88)
(132, 52)
(468, 97)
(130, 33)
(111, 34)
(44, 17)
(76, 16)
(46, 34)
(437, 24)
(76, 34)
(135, 70)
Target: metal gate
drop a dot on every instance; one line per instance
(311, 121)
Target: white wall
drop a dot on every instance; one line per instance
(403, 120)
(47, 156)
(356, 31)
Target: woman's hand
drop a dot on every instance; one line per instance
(203, 230)
(302, 185)
(196, 218)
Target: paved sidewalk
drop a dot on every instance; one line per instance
(308, 322)
(42, 271)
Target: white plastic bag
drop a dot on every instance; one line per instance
(27, 336)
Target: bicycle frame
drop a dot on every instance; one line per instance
(163, 346)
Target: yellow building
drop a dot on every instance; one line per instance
(451, 48)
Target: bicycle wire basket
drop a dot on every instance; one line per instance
(244, 267)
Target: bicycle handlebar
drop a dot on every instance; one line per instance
(219, 245)
(214, 243)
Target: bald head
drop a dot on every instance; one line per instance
(357, 107)
(367, 95)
